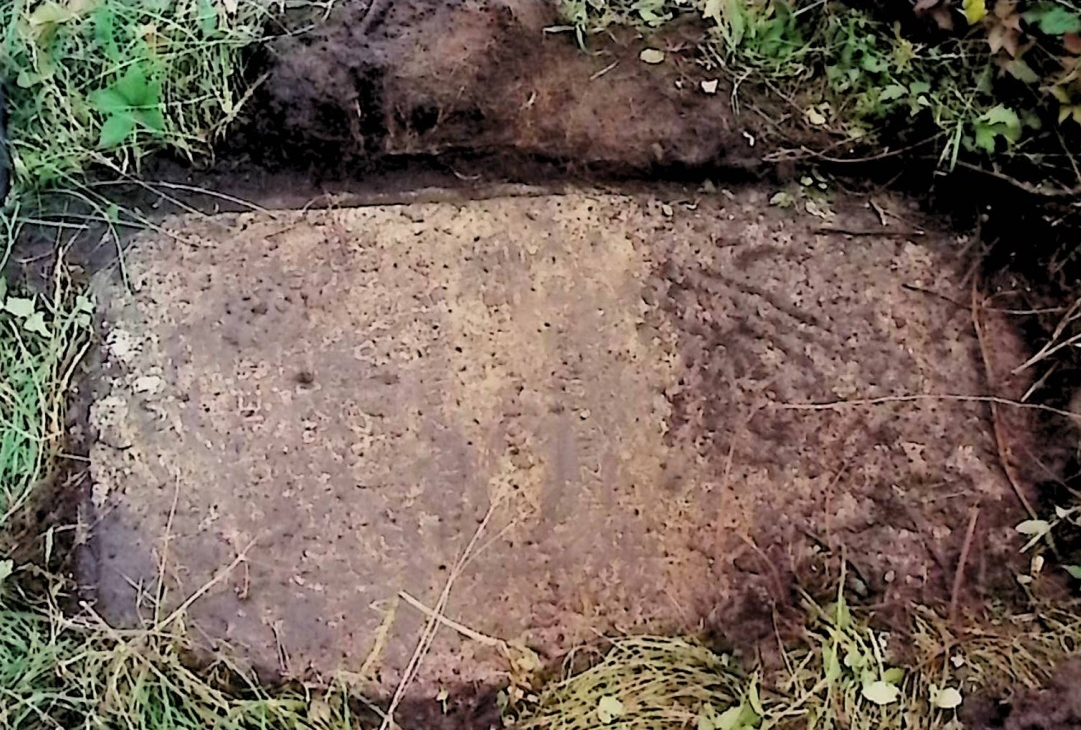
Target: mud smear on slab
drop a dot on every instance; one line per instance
(341, 397)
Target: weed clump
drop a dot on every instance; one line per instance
(104, 83)
(984, 79)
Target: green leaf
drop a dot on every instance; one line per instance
(753, 699)
(105, 32)
(152, 119)
(109, 101)
(881, 693)
(116, 130)
(36, 323)
(132, 85)
(831, 663)
(893, 91)
(894, 675)
(854, 659)
(207, 17)
(984, 138)
(1054, 19)
(25, 79)
(1073, 570)
(19, 307)
(1002, 115)
(609, 708)
(1034, 528)
(7, 567)
(730, 718)
(84, 304)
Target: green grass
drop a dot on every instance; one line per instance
(39, 344)
(839, 673)
(104, 83)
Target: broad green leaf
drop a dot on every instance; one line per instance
(893, 91)
(152, 98)
(105, 32)
(730, 718)
(109, 101)
(19, 307)
(1073, 570)
(705, 721)
(132, 85)
(116, 130)
(1034, 528)
(207, 17)
(609, 708)
(855, 659)
(36, 323)
(1001, 114)
(736, 22)
(25, 79)
(881, 693)
(894, 675)
(1054, 19)
(84, 304)
(152, 119)
(7, 567)
(984, 138)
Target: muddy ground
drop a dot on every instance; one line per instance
(684, 402)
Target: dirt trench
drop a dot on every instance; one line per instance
(662, 407)
(494, 78)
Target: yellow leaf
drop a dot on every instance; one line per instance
(975, 11)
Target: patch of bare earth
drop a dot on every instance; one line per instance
(423, 77)
(671, 411)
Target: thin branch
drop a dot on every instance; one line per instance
(959, 575)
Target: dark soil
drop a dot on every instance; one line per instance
(482, 76)
(1056, 708)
